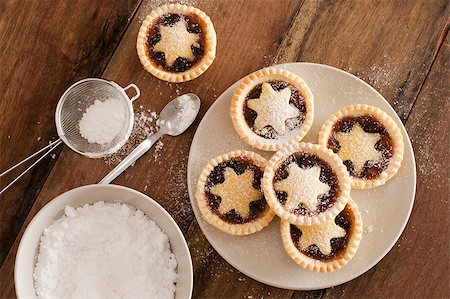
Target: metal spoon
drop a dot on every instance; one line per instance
(174, 119)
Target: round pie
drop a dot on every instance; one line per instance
(229, 193)
(272, 107)
(367, 140)
(176, 43)
(325, 247)
(306, 184)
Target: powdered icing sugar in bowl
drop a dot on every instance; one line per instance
(105, 250)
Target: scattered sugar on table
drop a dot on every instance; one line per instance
(105, 250)
(144, 126)
(103, 121)
(158, 147)
(368, 229)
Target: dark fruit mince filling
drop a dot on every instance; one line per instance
(369, 124)
(296, 99)
(327, 176)
(239, 165)
(181, 64)
(338, 245)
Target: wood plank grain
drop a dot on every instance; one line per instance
(172, 165)
(215, 278)
(46, 45)
(362, 37)
(166, 178)
(389, 44)
(418, 266)
(343, 34)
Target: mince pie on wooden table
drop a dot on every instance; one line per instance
(306, 184)
(176, 43)
(325, 247)
(229, 194)
(272, 107)
(367, 140)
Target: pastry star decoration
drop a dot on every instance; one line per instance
(302, 187)
(176, 42)
(358, 147)
(273, 108)
(236, 192)
(321, 235)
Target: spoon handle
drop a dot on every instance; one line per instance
(132, 157)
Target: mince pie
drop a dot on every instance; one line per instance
(229, 193)
(306, 184)
(272, 107)
(176, 43)
(325, 247)
(368, 141)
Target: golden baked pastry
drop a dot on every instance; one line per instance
(306, 184)
(272, 107)
(325, 247)
(229, 194)
(176, 43)
(368, 141)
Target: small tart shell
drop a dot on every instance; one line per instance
(394, 133)
(238, 102)
(200, 66)
(328, 156)
(311, 264)
(251, 227)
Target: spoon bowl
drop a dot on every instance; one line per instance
(173, 120)
(179, 114)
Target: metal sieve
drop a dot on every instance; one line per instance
(73, 105)
(69, 111)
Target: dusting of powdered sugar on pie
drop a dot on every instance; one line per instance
(273, 109)
(358, 146)
(321, 235)
(236, 192)
(302, 186)
(176, 41)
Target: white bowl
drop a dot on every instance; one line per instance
(29, 244)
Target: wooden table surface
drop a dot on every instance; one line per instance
(399, 47)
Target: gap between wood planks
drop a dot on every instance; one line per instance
(288, 51)
(313, 294)
(49, 166)
(130, 20)
(441, 42)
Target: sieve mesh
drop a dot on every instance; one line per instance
(73, 105)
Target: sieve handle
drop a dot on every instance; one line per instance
(49, 149)
(136, 90)
(132, 157)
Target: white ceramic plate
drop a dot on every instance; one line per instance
(385, 210)
(29, 244)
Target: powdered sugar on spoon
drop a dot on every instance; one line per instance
(174, 119)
